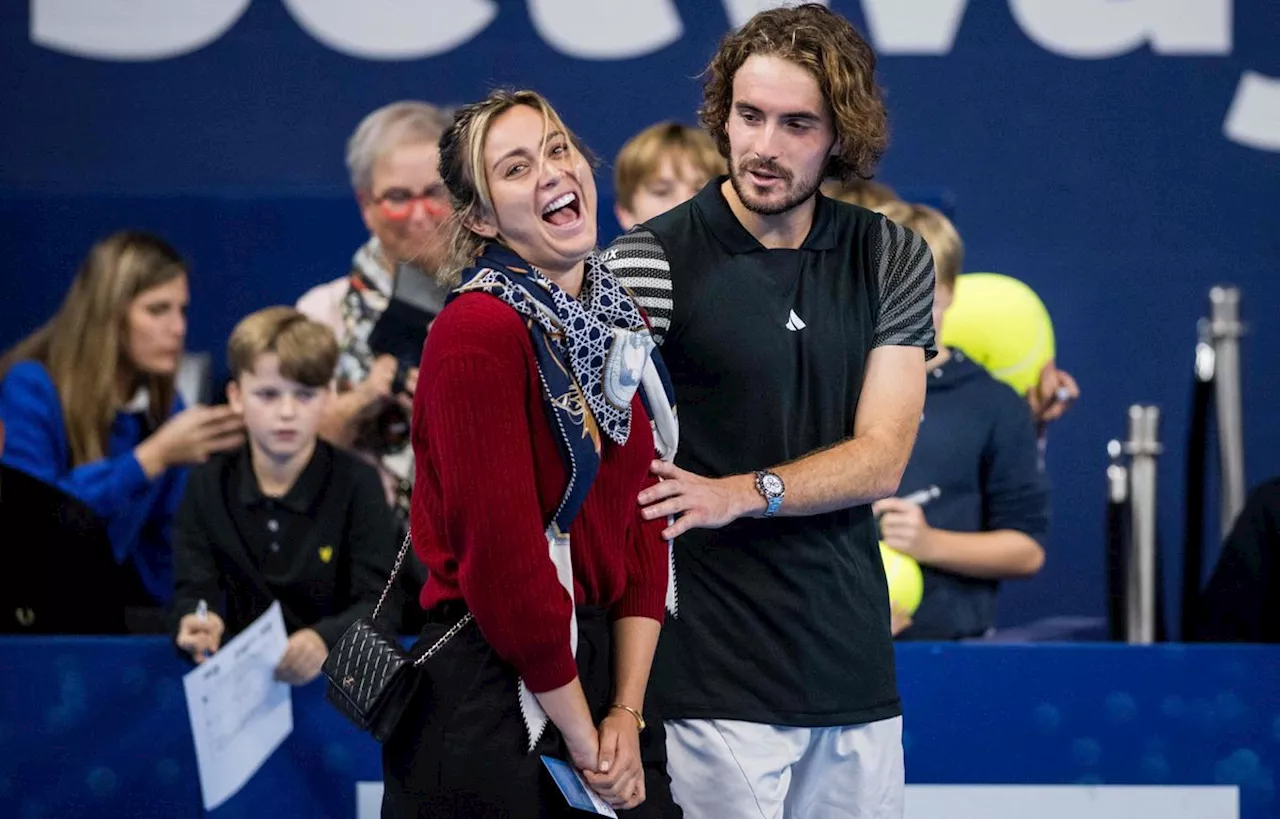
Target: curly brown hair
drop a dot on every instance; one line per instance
(843, 63)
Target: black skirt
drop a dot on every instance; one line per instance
(461, 749)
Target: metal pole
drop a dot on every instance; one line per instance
(1117, 475)
(1225, 330)
(1117, 543)
(1204, 351)
(1144, 446)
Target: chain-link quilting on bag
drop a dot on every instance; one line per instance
(370, 675)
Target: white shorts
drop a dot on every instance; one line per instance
(727, 769)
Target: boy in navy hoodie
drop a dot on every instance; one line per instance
(988, 517)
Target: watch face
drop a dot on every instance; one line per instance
(772, 484)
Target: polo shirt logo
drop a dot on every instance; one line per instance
(326, 553)
(794, 323)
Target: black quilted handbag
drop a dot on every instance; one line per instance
(370, 675)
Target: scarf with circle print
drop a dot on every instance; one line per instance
(600, 335)
(593, 354)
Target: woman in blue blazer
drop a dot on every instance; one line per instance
(88, 404)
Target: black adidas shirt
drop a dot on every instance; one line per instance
(782, 621)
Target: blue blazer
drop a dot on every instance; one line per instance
(138, 512)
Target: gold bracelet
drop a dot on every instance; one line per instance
(633, 712)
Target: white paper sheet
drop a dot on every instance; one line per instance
(239, 713)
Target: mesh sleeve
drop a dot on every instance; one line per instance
(906, 281)
(640, 265)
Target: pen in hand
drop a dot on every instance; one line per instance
(202, 614)
(920, 497)
(923, 496)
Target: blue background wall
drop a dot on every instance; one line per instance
(1107, 184)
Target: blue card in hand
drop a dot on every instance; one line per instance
(575, 789)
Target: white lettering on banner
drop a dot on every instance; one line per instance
(740, 11)
(913, 26)
(606, 29)
(143, 30)
(1254, 118)
(131, 30)
(611, 29)
(393, 29)
(1095, 29)
(1042, 801)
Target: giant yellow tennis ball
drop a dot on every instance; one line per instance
(906, 583)
(1000, 323)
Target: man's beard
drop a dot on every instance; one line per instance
(796, 194)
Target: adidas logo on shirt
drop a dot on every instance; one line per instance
(794, 323)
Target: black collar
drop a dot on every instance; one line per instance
(305, 490)
(736, 239)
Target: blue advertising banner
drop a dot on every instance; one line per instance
(99, 727)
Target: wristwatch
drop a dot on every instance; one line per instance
(770, 486)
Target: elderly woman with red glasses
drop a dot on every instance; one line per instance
(393, 161)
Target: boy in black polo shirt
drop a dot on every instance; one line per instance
(977, 445)
(287, 517)
(796, 331)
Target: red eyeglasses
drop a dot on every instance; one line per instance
(398, 203)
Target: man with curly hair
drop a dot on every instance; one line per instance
(796, 329)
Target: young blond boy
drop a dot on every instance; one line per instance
(285, 518)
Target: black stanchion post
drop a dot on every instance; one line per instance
(1117, 541)
(1197, 462)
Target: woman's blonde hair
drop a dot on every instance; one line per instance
(83, 345)
(462, 169)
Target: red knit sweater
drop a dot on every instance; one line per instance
(489, 478)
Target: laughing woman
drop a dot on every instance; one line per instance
(532, 440)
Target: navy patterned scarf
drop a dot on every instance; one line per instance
(593, 352)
